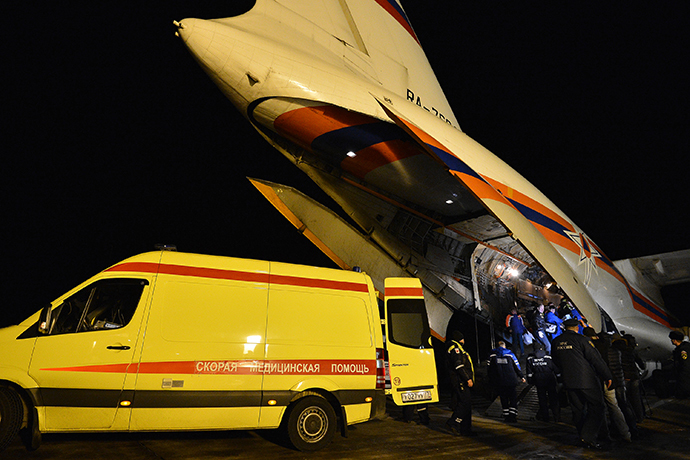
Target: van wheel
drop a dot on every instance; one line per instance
(11, 416)
(311, 424)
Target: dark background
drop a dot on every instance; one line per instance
(114, 139)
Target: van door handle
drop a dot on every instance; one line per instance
(117, 347)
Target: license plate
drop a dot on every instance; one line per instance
(413, 396)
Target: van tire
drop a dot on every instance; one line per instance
(11, 416)
(311, 423)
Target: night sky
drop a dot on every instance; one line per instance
(117, 140)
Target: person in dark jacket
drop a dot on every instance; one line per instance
(543, 373)
(461, 380)
(505, 374)
(583, 370)
(539, 324)
(517, 328)
(632, 363)
(681, 364)
(613, 360)
(620, 345)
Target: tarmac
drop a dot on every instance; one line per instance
(665, 433)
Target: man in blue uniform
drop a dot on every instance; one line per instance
(517, 328)
(505, 374)
(461, 380)
(583, 370)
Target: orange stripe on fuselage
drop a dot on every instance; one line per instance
(529, 202)
(378, 155)
(646, 311)
(304, 125)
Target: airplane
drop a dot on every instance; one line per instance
(343, 89)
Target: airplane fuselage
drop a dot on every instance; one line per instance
(325, 101)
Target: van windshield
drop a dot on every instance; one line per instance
(408, 325)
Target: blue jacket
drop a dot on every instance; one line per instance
(554, 319)
(517, 325)
(504, 369)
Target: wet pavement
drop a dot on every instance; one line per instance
(665, 434)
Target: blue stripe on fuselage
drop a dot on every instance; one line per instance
(337, 143)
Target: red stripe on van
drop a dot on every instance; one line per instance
(214, 273)
(236, 367)
(105, 368)
(234, 275)
(318, 283)
(184, 270)
(141, 267)
(404, 292)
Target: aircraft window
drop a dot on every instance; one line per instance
(106, 304)
(407, 323)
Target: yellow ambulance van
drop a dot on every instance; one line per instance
(174, 341)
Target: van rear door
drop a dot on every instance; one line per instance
(411, 357)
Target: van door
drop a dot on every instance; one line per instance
(82, 361)
(412, 365)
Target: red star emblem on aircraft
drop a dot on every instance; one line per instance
(588, 252)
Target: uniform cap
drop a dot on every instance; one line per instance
(572, 322)
(457, 336)
(589, 332)
(675, 335)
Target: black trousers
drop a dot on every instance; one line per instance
(588, 410)
(508, 397)
(462, 409)
(548, 397)
(422, 411)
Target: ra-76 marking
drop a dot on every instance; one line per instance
(415, 99)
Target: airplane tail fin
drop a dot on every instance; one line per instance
(377, 39)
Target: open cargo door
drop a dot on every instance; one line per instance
(411, 360)
(463, 160)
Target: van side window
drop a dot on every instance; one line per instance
(105, 304)
(408, 325)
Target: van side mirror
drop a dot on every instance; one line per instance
(45, 320)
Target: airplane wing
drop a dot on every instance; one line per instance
(649, 274)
